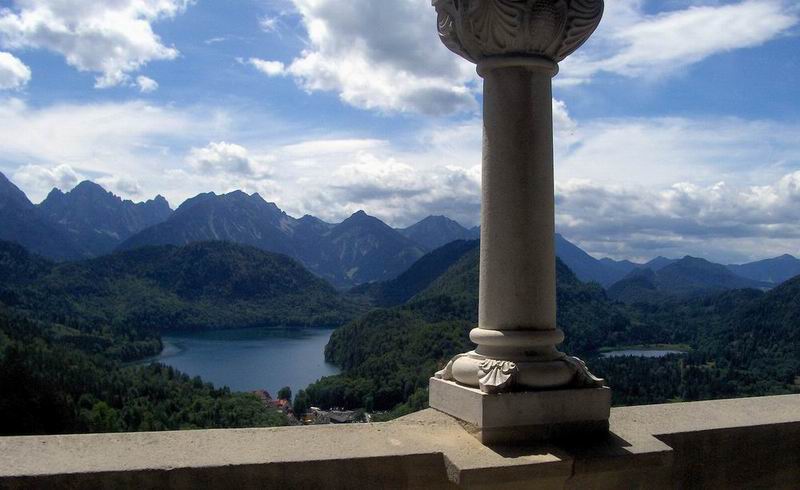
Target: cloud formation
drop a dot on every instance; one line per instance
(384, 56)
(122, 185)
(14, 74)
(683, 218)
(723, 188)
(42, 177)
(226, 158)
(96, 140)
(146, 85)
(633, 44)
(112, 39)
(269, 68)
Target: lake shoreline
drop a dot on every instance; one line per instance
(685, 348)
(251, 358)
(645, 351)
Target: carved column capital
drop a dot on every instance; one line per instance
(550, 29)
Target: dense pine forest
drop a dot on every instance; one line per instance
(202, 285)
(743, 343)
(70, 378)
(71, 335)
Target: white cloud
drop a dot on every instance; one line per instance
(724, 188)
(381, 55)
(373, 179)
(721, 221)
(146, 85)
(269, 68)
(633, 44)
(110, 38)
(393, 189)
(268, 24)
(386, 56)
(100, 139)
(14, 74)
(121, 185)
(37, 176)
(657, 152)
(225, 157)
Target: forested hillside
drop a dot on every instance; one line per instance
(743, 342)
(68, 377)
(389, 354)
(68, 333)
(203, 285)
(418, 277)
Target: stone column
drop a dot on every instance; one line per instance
(517, 45)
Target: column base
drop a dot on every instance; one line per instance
(524, 416)
(558, 371)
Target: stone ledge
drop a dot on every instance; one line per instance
(717, 444)
(525, 415)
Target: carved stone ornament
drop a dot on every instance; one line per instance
(494, 376)
(497, 376)
(553, 29)
(583, 377)
(447, 372)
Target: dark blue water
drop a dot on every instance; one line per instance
(641, 353)
(251, 359)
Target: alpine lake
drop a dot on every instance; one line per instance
(270, 358)
(250, 359)
(645, 351)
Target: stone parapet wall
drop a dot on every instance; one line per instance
(744, 443)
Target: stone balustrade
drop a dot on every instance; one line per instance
(742, 443)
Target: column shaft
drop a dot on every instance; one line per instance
(517, 270)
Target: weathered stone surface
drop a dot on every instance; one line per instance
(517, 45)
(746, 443)
(553, 29)
(524, 416)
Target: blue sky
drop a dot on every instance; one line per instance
(676, 125)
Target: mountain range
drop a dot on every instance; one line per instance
(24, 223)
(435, 231)
(98, 220)
(682, 279)
(358, 250)
(89, 222)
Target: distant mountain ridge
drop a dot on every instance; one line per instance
(775, 271)
(683, 279)
(361, 249)
(24, 223)
(88, 222)
(99, 220)
(587, 268)
(436, 231)
(419, 276)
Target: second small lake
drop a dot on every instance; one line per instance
(641, 353)
(251, 359)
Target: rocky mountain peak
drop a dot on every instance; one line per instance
(11, 194)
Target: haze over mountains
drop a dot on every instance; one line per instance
(686, 278)
(89, 222)
(98, 220)
(360, 249)
(435, 231)
(22, 222)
